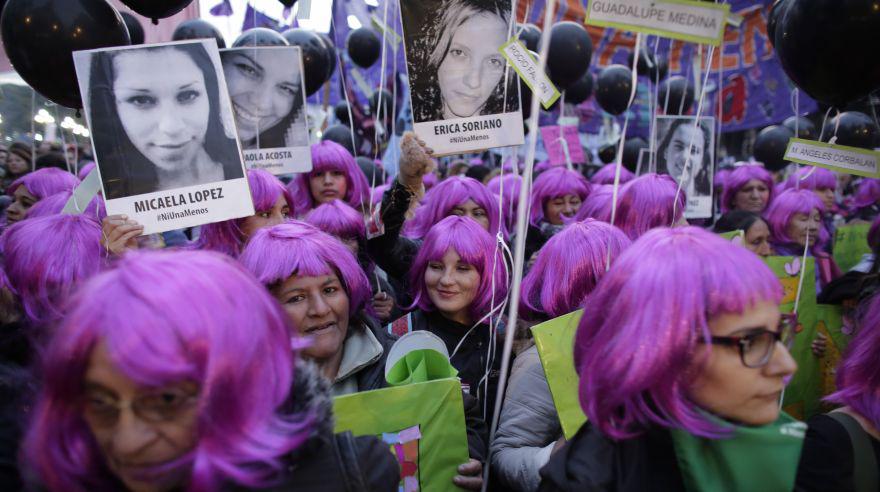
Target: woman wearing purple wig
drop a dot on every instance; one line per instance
(681, 381)
(567, 269)
(335, 175)
(866, 202)
(648, 202)
(33, 187)
(748, 188)
(842, 448)
(138, 397)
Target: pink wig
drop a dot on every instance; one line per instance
(785, 206)
(648, 202)
(635, 353)
(738, 178)
(476, 248)
(226, 237)
(868, 193)
(45, 260)
(232, 338)
(555, 183)
(430, 180)
(277, 253)
(85, 170)
(450, 193)
(507, 188)
(338, 219)
(598, 204)
(812, 178)
(605, 175)
(54, 204)
(330, 156)
(568, 268)
(45, 182)
(858, 374)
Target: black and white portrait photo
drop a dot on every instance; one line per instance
(266, 89)
(465, 95)
(161, 126)
(686, 151)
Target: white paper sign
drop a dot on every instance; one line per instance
(850, 160)
(694, 21)
(83, 194)
(529, 71)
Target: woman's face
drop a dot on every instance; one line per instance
(827, 197)
(561, 206)
(801, 226)
(473, 66)
(472, 210)
(318, 308)
(137, 427)
(278, 214)
(729, 389)
(263, 90)
(327, 186)
(757, 239)
(752, 197)
(452, 286)
(676, 153)
(16, 165)
(163, 105)
(22, 201)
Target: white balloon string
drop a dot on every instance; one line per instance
(621, 142)
(797, 298)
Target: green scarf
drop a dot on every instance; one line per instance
(755, 458)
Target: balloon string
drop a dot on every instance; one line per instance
(621, 141)
(33, 130)
(797, 298)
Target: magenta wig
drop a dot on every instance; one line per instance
(85, 170)
(648, 202)
(233, 339)
(555, 183)
(867, 194)
(226, 237)
(45, 260)
(812, 178)
(605, 175)
(277, 253)
(507, 188)
(635, 353)
(476, 248)
(338, 219)
(45, 182)
(450, 193)
(54, 204)
(568, 268)
(738, 178)
(330, 156)
(377, 193)
(858, 374)
(598, 204)
(430, 180)
(785, 206)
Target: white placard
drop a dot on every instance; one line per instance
(529, 71)
(471, 134)
(850, 160)
(694, 21)
(673, 136)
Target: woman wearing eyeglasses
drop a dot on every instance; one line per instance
(682, 362)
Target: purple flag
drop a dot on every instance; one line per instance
(223, 8)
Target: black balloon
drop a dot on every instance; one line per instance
(854, 129)
(41, 48)
(631, 150)
(805, 128)
(316, 59)
(676, 95)
(770, 147)
(259, 36)
(613, 88)
(341, 112)
(330, 47)
(363, 46)
(135, 29)
(341, 134)
(608, 152)
(829, 48)
(772, 20)
(198, 29)
(157, 9)
(655, 70)
(569, 53)
(530, 36)
(581, 90)
(287, 3)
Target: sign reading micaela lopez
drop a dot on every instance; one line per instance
(465, 96)
(163, 134)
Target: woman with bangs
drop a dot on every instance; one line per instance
(29, 189)
(681, 383)
(866, 202)
(557, 195)
(748, 188)
(138, 397)
(335, 175)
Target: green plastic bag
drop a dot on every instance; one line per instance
(419, 366)
(555, 341)
(435, 408)
(850, 243)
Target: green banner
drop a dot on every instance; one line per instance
(850, 243)
(555, 341)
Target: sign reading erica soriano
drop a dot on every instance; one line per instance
(694, 21)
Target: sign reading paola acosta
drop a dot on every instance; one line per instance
(687, 20)
(851, 160)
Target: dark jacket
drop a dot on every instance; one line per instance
(17, 388)
(593, 462)
(392, 252)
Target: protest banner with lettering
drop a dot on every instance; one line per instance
(851, 160)
(697, 22)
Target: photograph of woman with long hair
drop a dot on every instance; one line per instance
(685, 151)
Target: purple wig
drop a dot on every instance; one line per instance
(785, 206)
(330, 156)
(605, 175)
(54, 204)
(874, 235)
(635, 349)
(507, 188)
(430, 180)
(598, 204)
(738, 178)
(812, 178)
(858, 374)
(232, 339)
(226, 237)
(868, 193)
(476, 248)
(555, 183)
(338, 219)
(450, 193)
(45, 182)
(648, 202)
(277, 253)
(720, 177)
(85, 170)
(377, 193)
(568, 268)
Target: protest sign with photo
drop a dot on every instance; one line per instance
(694, 168)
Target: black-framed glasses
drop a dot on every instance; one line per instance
(155, 407)
(756, 345)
